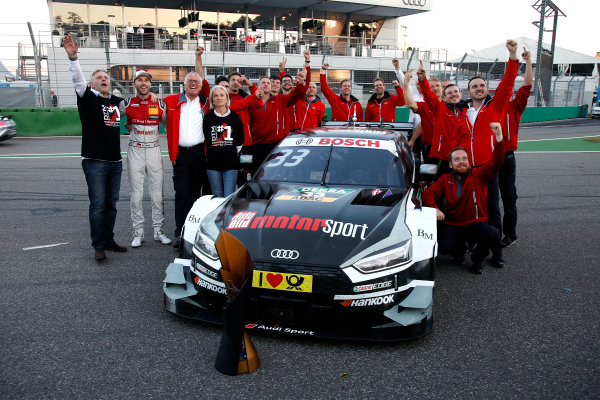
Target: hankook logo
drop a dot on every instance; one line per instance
(419, 3)
(304, 141)
(285, 254)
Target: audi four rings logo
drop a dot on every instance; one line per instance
(286, 254)
(304, 141)
(419, 3)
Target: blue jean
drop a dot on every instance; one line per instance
(104, 182)
(222, 183)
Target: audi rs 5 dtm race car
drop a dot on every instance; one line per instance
(339, 247)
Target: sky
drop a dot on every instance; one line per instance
(456, 25)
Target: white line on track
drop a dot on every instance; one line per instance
(562, 138)
(44, 246)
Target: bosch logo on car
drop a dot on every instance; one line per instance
(349, 142)
(285, 254)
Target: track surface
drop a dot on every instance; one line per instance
(72, 328)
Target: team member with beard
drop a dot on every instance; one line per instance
(345, 106)
(481, 110)
(144, 158)
(267, 121)
(464, 193)
(185, 137)
(382, 105)
(101, 150)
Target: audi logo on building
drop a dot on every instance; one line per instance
(304, 141)
(419, 3)
(285, 254)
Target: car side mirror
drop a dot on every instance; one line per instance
(428, 169)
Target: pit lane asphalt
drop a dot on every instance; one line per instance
(73, 328)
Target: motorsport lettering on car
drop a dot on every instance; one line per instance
(338, 247)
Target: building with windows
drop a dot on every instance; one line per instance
(358, 39)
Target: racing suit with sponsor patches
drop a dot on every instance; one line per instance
(144, 158)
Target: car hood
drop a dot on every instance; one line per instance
(310, 225)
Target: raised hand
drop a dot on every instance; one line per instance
(407, 77)
(325, 65)
(282, 64)
(70, 46)
(421, 73)
(301, 76)
(395, 83)
(497, 129)
(396, 63)
(199, 51)
(259, 93)
(526, 54)
(245, 81)
(512, 47)
(306, 55)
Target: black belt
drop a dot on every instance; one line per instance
(191, 147)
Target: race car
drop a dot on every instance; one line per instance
(341, 247)
(8, 127)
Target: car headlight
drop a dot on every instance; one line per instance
(205, 244)
(385, 259)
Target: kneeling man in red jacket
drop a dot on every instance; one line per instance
(464, 193)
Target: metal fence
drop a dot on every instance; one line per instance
(170, 57)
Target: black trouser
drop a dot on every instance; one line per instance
(508, 191)
(189, 174)
(493, 204)
(451, 240)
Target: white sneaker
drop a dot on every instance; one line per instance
(138, 238)
(161, 237)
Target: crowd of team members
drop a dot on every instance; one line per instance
(208, 129)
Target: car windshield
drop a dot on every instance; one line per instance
(347, 165)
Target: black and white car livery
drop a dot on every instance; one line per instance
(339, 248)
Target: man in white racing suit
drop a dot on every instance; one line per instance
(144, 112)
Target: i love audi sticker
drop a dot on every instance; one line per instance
(281, 281)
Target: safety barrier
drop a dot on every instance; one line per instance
(65, 121)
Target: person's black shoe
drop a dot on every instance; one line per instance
(99, 254)
(177, 242)
(113, 246)
(508, 241)
(497, 262)
(477, 268)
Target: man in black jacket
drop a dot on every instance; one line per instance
(101, 150)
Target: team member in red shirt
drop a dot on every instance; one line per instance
(310, 111)
(267, 121)
(464, 193)
(507, 175)
(345, 106)
(481, 110)
(382, 105)
(448, 115)
(289, 121)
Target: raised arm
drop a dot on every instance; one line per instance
(410, 103)
(520, 100)
(71, 48)
(204, 85)
(327, 92)
(505, 88)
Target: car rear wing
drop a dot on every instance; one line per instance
(405, 127)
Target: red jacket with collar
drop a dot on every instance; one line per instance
(427, 118)
(512, 118)
(267, 121)
(387, 108)
(482, 140)
(174, 103)
(341, 110)
(466, 203)
(449, 127)
(308, 114)
(289, 118)
(241, 105)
